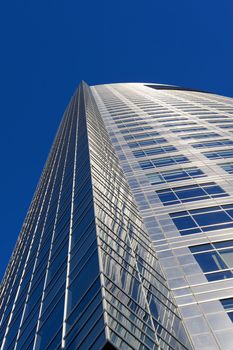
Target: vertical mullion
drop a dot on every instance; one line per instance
(24, 236)
(58, 153)
(36, 340)
(48, 175)
(71, 225)
(23, 254)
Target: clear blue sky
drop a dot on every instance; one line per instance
(48, 46)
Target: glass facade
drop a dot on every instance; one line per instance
(127, 243)
(182, 185)
(84, 273)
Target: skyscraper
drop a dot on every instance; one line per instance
(128, 240)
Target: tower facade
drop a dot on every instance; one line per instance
(128, 240)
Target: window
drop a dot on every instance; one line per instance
(218, 121)
(228, 167)
(215, 259)
(213, 143)
(174, 175)
(203, 219)
(171, 119)
(124, 115)
(195, 192)
(179, 124)
(229, 126)
(228, 306)
(141, 128)
(217, 116)
(165, 117)
(219, 154)
(141, 136)
(199, 136)
(128, 120)
(129, 125)
(189, 129)
(147, 142)
(153, 151)
(165, 161)
(159, 113)
(204, 115)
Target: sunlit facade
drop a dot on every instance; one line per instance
(128, 241)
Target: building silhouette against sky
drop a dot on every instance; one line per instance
(128, 241)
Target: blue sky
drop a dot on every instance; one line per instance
(47, 47)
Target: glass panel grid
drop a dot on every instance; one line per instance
(175, 175)
(215, 259)
(203, 219)
(190, 193)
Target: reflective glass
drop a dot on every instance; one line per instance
(165, 161)
(228, 167)
(216, 263)
(126, 131)
(189, 193)
(141, 135)
(213, 143)
(212, 218)
(227, 303)
(146, 142)
(199, 136)
(189, 129)
(219, 154)
(175, 175)
(153, 151)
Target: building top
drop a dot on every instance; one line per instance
(156, 86)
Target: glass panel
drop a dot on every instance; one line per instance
(200, 248)
(84, 279)
(221, 275)
(210, 261)
(227, 303)
(51, 325)
(184, 222)
(227, 256)
(155, 178)
(223, 244)
(211, 218)
(191, 192)
(214, 260)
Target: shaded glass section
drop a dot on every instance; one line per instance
(161, 162)
(228, 167)
(220, 154)
(216, 259)
(153, 151)
(190, 193)
(174, 175)
(34, 285)
(228, 306)
(204, 219)
(216, 143)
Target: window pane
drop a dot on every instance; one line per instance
(227, 303)
(214, 260)
(211, 218)
(210, 261)
(190, 193)
(184, 222)
(227, 256)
